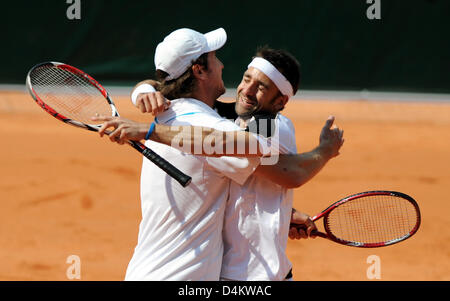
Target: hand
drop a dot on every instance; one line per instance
(124, 129)
(153, 102)
(331, 138)
(302, 226)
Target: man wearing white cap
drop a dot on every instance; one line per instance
(259, 210)
(180, 235)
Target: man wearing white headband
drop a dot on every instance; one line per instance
(258, 211)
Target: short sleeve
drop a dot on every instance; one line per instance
(236, 168)
(285, 135)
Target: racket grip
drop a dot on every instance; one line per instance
(314, 232)
(171, 170)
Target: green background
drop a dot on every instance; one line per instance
(337, 45)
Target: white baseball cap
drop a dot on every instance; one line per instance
(180, 48)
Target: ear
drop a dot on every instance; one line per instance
(199, 71)
(280, 102)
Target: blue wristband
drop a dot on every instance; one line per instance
(150, 131)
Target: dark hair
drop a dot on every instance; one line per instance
(285, 62)
(184, 84)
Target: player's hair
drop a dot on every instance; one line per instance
(285, 62)
(182, 86)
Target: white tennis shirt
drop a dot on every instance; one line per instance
(180, 234)
(257, 219)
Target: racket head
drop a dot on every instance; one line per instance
(74, 97)
(69, 94)
(372, 219)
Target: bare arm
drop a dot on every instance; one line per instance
(190, 139)
(292, 171)
(207, 141)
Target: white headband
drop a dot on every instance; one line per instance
(278, 79)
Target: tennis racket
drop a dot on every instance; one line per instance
(370, 219)
(72, 96)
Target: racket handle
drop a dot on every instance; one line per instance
(171, 170)
(314, 232)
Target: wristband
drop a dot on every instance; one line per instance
(144, 88)
(150, 131)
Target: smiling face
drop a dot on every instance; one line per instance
(257, 93)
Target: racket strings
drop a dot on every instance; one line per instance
(373, 219)
(69, 94)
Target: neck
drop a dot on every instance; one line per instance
(243, 124)
(202, 94)
(243, 121)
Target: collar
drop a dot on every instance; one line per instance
(261, 124)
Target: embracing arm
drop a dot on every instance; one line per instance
(292, 171)
(150, 82)
(208, 142)
(147, 99)
(196, 140)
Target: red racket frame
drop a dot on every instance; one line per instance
(329, 235)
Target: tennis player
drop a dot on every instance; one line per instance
(180, 234)
(258, 213)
